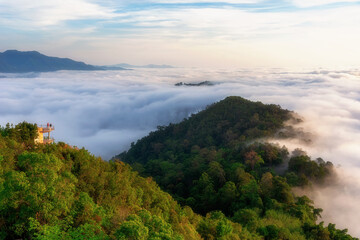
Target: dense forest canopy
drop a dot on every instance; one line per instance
(56, 191)
(226, 183)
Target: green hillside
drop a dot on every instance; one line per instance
(60, 192)
(215, 161)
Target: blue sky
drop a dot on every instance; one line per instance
(208, 33)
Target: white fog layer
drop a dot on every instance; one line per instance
(104, 111)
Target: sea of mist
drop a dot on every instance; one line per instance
(104, 111)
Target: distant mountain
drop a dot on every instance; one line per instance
(125, 65)
(13, 61)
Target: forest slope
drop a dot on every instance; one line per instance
(56, 191)
(216, 160)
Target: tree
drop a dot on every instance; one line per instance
(132, 229)
(252, 159)
(248, 218)
(227, 195)
(204, 193)
(266, 184)
(282, 191)
(216, 173)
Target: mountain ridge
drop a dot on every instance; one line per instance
(14, 61)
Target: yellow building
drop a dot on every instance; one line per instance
(42, 136)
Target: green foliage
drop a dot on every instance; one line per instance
(302, 169)
(283, 224)
(133, 229)
(36, 189)
(330, 232)
(270, 232)
(55, 191)
(248, 218)
(215, 226)
(54, 232)
(23, 132)
(146, 226)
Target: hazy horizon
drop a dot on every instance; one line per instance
(187, 33)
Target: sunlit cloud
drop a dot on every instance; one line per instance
(312, 3)
(44, 13)
(207, 1)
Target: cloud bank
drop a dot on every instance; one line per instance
(106, 111)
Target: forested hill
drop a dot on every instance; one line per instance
(217, 160)
(230, 122)
(13, 61)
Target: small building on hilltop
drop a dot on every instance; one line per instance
(44, 134)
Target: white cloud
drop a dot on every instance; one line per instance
(228, 36)
(313, 3)
(43, 13)
(207, 1)
(124, 2)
